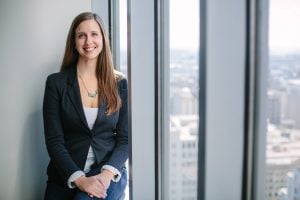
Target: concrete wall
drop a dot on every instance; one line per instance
(33, 34)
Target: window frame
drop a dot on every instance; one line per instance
(255, 135)
(147, 130)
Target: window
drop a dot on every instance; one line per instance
(122, 21)
(123, 35)
(178, 77)
(182, 100)
(118, 33)
(283, 100)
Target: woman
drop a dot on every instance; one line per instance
(85, 118)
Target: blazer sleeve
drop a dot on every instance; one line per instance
(120, 152)
(54, 135)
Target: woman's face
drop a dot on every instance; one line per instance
(88, 40)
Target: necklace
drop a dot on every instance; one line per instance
(90, 94)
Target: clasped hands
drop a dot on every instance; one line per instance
(95, 186)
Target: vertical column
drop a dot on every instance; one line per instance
(141, 65)
(225, 82)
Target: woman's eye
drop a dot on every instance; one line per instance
(95, 34)
(80, 36)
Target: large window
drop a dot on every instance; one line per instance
(123, 35)
(282, 180)
(170, 147)
(182, 100)
(123, 66)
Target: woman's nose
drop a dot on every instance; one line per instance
(88, 39)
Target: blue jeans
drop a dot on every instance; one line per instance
(116, 191)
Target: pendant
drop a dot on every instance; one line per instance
(92, 95)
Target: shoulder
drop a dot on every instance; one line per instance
(119, 75)
(57, 78)
(54, 76)
(121, 79)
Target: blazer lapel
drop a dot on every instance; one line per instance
(74, 95)
(101, 112)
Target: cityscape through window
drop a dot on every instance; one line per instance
(183, 99)
(123, 66)
(282, 178)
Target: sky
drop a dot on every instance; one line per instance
(284, 25)
(123, 24)
(184, 24)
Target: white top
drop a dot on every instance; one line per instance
(91, 116)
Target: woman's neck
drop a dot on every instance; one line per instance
(86, 68)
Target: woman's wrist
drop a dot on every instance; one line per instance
(108, 174)
(79, 180)
(116, 172)
(105, 177)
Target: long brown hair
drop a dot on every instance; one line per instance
(107, 83)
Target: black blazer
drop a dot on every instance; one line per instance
(67, 134)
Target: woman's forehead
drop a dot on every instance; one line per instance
(88, 25)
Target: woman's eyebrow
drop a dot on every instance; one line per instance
(95, 31)
(80, 32)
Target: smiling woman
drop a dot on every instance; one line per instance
(85, 118)
(88, 40)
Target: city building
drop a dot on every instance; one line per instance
(292, 99)
(183, 157)
(274, 107)
(282, 163)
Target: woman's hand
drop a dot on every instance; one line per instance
(92, 186)
(105, 178)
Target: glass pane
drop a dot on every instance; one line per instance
(123, 57)
(183, 99)
(283, 106)
(123, 35)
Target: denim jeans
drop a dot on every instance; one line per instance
(116, 190)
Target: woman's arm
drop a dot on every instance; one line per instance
(54, 135)
(120, 152)
(55, 142)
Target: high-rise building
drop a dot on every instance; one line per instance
(274, 107)
(183, 102)
(292, 191)
(282, 158)
(183, 159)
(291, 106)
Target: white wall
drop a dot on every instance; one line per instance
(33, 34)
